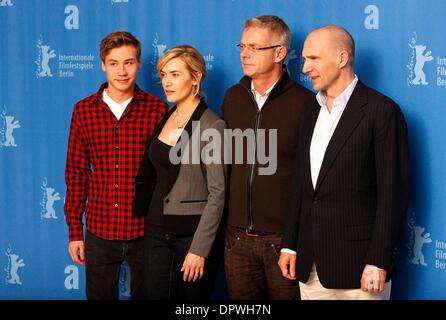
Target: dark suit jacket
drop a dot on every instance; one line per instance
(353, 215)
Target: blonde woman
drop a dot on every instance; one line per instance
(183, 202)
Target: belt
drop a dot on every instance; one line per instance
(254, 233)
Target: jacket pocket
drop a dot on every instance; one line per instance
(193, 201)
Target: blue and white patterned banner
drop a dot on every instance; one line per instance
(49, 52)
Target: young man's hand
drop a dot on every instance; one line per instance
(77, 251)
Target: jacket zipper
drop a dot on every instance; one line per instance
(251, 174)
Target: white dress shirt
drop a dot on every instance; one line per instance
(323, 130)
(261, 98)
(117, 108)
(325, 126)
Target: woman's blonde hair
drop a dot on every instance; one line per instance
(192, 58)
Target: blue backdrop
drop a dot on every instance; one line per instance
(50, 59)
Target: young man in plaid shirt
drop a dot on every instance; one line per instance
(108, 136)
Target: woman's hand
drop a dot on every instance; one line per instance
(193, 267)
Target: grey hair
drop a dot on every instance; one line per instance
(275, 24)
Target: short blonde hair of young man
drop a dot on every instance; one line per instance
(191, 57)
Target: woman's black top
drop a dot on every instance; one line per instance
(159, 157)
(176, 224)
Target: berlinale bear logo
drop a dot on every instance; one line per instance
(47, 203)
(417, 239)
(160, 50)
(417, 61)
(6, 3)
(45, 54)
(14, 263)
(7, 126)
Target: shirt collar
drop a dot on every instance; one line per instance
(138, 94)
(266, 93)
(340, 100)
(106, 98)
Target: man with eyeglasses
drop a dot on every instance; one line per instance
(265, 99)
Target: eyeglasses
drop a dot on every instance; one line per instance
(253, 48)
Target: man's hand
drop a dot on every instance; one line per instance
(77, 251)
(193, 267)
(287, 264)
(373, 279)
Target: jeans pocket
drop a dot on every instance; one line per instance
(276, 248)
(231, 242)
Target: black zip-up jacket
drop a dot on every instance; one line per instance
(260, 202)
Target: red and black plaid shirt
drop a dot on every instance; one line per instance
(103, 158)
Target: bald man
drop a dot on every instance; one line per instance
(351, 180)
